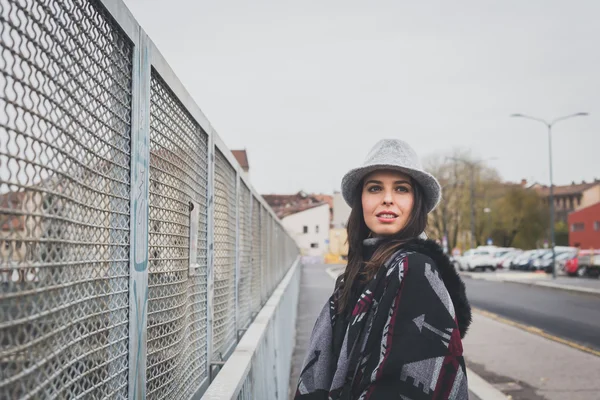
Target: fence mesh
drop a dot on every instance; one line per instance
(256, 259)
(264, 256)
(224, 333)
(271, 259)
(245, 257)
(176, 301)
(65, 95)
(66, 71)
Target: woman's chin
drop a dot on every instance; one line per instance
(386, 231)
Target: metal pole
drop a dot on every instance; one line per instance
(472, 167)
(549, 125)
(551, 203)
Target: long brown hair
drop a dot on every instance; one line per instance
(358, 232)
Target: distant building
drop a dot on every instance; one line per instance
(307, 219)
(568, 198)
(341, 211)
(338, 242)
(584, 227)
(242, 158)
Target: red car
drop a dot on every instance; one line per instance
(587, 262)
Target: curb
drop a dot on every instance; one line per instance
(479, 386)
(535, 282)
(535, 331)
(482, 388)
(556, 286)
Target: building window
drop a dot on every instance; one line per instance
(314, 245)
(305, 229)
(316, 228)
(597, 226)
(577, 227)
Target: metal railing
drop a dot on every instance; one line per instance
(133, 251)
(260, 366)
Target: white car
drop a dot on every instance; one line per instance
(506, 260)
(475, 259)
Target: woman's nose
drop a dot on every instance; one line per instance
(387, 198)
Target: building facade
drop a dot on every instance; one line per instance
(584, 227)
(569, 198)
(341, 211)
(307, 218)
(310, 229)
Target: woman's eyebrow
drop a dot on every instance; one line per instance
(381, 183)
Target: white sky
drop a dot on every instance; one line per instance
(307, 87)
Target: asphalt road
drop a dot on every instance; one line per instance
(575, 317)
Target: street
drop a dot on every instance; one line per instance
(571, 316)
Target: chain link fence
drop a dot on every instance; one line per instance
(103, 153)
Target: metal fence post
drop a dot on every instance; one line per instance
(210, 263)
(237, 256)
(140, 155)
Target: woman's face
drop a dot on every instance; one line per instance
(387, 201)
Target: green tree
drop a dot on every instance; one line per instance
(561, 234)
(467, 185)
(522, 218)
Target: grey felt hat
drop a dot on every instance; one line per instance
(396, 155)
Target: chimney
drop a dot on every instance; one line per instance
(523, 182)
(242, 158)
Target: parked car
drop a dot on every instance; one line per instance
(587, 262)
(524, 261)
(499, 254)
(545, 262)
(459, 261)
(483, 257)
(478, 259)
(507, 259)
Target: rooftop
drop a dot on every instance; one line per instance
(565, 190)
(242, 157)
(288, 204)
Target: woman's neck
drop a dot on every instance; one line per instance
(370, 245)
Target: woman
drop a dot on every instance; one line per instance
(393, 327)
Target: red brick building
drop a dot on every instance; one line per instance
(584, 227)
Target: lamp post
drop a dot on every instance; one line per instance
(549, 125)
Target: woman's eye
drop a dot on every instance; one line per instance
(373, 189)
(403, 189)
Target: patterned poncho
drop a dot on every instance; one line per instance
(402, 338)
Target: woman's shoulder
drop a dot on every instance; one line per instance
(426, 259)
(422, 252)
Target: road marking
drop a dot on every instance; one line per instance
(536, 331)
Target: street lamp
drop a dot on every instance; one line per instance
(549, 125)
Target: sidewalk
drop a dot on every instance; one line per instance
(530, 367)
(315, 288)
(316, 285)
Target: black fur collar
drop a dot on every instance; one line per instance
(453, 282)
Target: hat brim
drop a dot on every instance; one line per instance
(431, 187)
